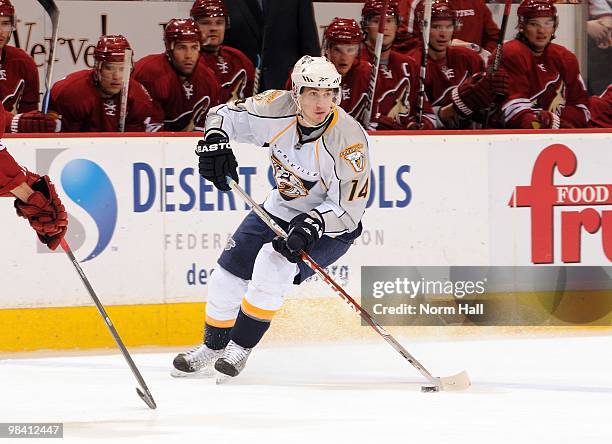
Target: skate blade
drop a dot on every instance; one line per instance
(205, 373)
(221, 378)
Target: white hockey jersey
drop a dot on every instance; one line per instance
(330, 174)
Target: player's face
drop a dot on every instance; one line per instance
(441, 34)
(6, 27)
(212, 30)
(539, 31)
(316, 104)
(185, 57)
(390, 30)
(110, 77)
(343, 56)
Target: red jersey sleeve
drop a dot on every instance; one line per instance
(575, 112)
(143, 114)
(517, 104)
(11, 174)
(29, 101)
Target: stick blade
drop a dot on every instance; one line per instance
(147, 398)
(458, 382)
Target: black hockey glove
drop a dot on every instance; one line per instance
(304, 231)
(216, 159)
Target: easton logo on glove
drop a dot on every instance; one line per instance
(204, 147)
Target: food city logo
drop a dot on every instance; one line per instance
(542, 195)
(88, 186)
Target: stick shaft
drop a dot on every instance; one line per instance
(367, 118)
(335, 287)
(423, 70)
(108, 321)
(125, 88)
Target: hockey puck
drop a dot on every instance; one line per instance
(430, 388)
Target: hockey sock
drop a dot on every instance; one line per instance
(216, 338)
(248, 331)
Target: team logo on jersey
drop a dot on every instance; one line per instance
(552, 97)
(267, 96)
(188, 89)
(222, 65)
(449, 73)
(236, 85)
(542, 67)
(2, 74)
(12, 100)
(231, 243)
(289, 185)
(354, 157)
(386, 71)
(110, 108)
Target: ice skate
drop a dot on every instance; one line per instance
(198, 361)
(232, 361)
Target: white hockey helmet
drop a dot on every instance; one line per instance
(315, 72)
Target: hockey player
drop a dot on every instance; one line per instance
(319, 156)
(233, 69)
(37, 200)
(455, 82)
(547, 90)
(396, 93)
(475, 29)
(341, 43)
(179, 79)
(19, 83)
(90, 100)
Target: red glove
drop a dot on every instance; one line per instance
(542, 120)
(479, 92)
(424, 125)
(44, 211)
(36, 122)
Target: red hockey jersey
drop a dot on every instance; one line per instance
(234, 70)
(601, 109)
(397, 88)
(77, 99)
(475, 24)
(444, 75)
(11, 174)
(19, 83)
(185, 101)
(550, 81)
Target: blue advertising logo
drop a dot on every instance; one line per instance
(86, 183)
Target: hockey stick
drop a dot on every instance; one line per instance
(460, 381)
(146, 396)
(498, 52)
(367, 117)
(257, 78)
(54, 15)
(125, 88)
(426, 30)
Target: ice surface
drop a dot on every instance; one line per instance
(536, 390)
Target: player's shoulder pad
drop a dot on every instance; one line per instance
(272, 104)
(151, 64)
(346, 142)
(236, 53)
(14, 53)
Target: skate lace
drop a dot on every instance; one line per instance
(198, 355)
(235, 353)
